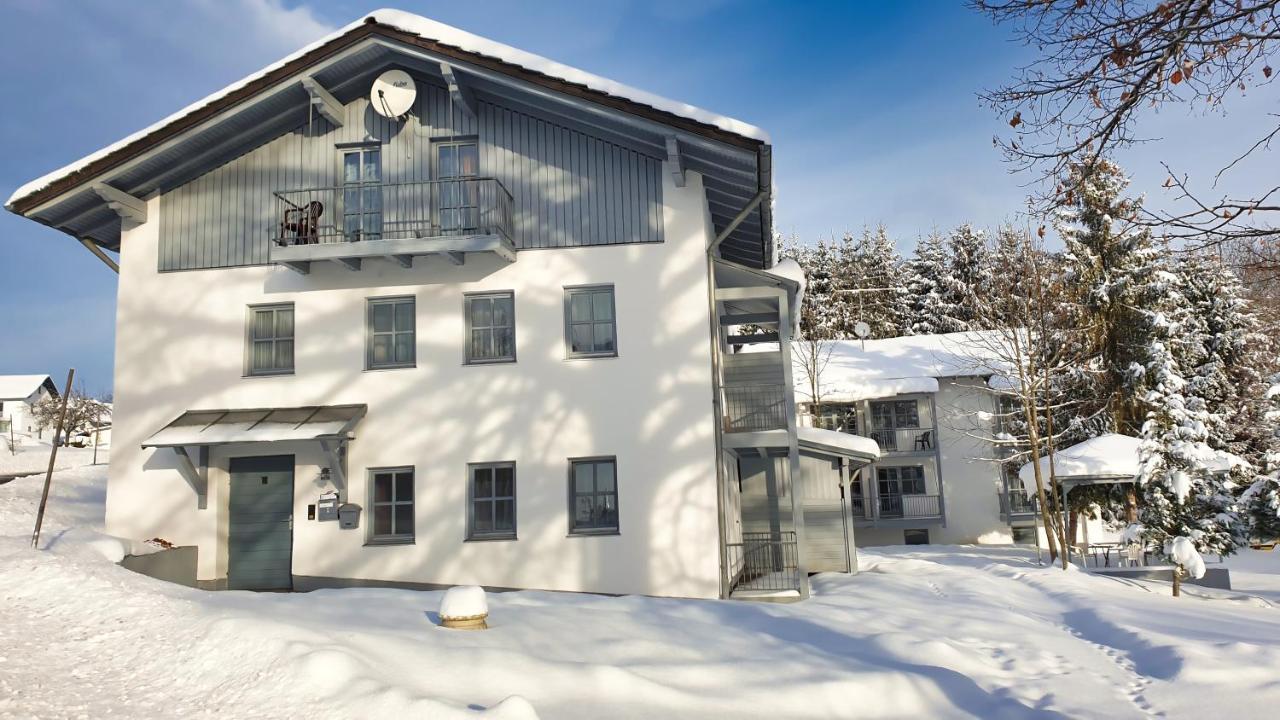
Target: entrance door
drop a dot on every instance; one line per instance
(260, 538)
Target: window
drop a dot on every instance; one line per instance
(593, 496)
(392, 501)
(362, 193)
(491, 500)
(459, 200)
(906, 480)
(841, 417)
(491, 327)
(391, 335)
(1024, 535)
(270, 339)
(915, 537)
(888, 417)
(590, 328)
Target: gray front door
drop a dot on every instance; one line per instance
(260, 537)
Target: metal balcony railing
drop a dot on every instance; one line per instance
(904, 440)
(1017, 503)
(765, 562)
(378, 211)
(755, 407)
(909, 506)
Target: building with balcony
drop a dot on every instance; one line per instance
(487, 337)
(926, 403)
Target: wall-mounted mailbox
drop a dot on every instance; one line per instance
(348, 516)
(328, 506)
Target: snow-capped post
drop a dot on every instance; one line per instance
(1187, 561)
(53, 455)
(464, 608)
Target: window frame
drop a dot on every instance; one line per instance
(472, 535)
(467, 328)
(569, 292)
(370, 333)
(829, 411)
(249, 339)
(899, 481)
(340, 220)
(573, 494)
(409, 538)
(473, 192)
(894, 415)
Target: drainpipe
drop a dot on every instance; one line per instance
(937, 457)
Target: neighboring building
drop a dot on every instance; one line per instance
(925, 401)
(480, 338)
(18, 397)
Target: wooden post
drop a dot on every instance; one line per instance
(97, 435)
(53, 455)
(1177, 580)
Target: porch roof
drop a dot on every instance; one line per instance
(220, 427)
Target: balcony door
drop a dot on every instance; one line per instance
(893, 483)
(888, 421)
(457, 166)
(362, 194)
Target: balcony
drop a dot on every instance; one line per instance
(905, 440)
(895, 507)
(398, 222)
(1015, 505)
(755, 408)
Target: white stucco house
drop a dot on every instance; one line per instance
(18, 396)
(413, 307)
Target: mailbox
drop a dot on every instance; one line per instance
(328, 506)
(348, 516)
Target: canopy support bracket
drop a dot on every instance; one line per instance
(197, 478)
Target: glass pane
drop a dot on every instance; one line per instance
(582, 512)
(262, 355)
(482, 519)
(351, 201)
(284, 354)
(382, 520)
(503, 344)
(373, 225)
(383, 315)
(284, 323)
(579, 307)
(263, 322)
(404, 486)
(404, 519)
(448, 161)
(404, 315)
(372, 199)
(582, 478)
(351, 167)
(351, 225)
(504, 482)
(468, 160)
(449, 199)
(502, 311)
(604, 477)
(483, 483)
(581, 338)
(604, 337)
(602, 303)
(481, 312)
(906, 414)
(382, 487)
(381, 349)
(372, 165)
(404, 347)
(481, 344)
(505, 515)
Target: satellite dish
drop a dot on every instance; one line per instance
(862, 330)
(393, 93)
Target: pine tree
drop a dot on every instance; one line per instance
(1262, 498)
(968, 276)
(924, 273)
(875, 279)
(1184, 492)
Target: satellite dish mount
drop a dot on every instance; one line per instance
(393, 94)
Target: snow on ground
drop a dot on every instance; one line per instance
(32, 456)
(923, 631)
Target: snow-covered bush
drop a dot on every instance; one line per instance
(464, 607)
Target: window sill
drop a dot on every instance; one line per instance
(391, 367)
(379, 542)
(280, 373)
(482, 363)
(493, 538)
(593, 533)
(601, 356)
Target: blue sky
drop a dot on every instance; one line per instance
(872, 107)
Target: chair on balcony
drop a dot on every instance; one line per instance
(301, 224)
(924, 441)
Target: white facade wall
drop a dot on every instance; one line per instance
(180, 345)
(20, 412)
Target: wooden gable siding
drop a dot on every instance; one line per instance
(569, 188)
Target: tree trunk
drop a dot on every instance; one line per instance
(1177, 580)
(1073, 527)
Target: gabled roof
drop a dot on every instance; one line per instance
(144, 162)
(20, 387)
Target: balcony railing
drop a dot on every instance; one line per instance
(750, 408)
(1017, 503)
(895, 507)
(905, 440)
(388, 211)
(764, 562)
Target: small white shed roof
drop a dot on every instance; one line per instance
(841, 443)
(20, 387)
(1109, 457)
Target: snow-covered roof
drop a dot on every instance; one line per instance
(854, 445)
(20, 387)
(441, 33)
(1109, 456)
(898, 366)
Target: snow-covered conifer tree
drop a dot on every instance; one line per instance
(967, 278)
(924, 273)
(874, 275)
